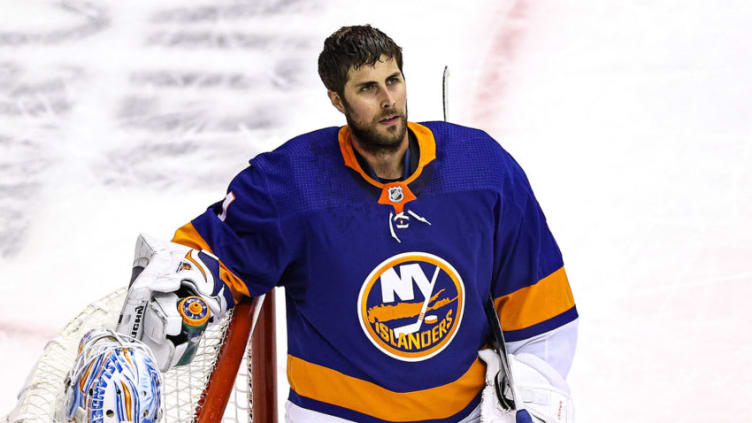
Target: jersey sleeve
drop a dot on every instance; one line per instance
(530, 287)
(244, 232)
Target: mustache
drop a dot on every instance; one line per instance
(390, 113)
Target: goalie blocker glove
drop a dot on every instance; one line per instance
(542, 395)
(163, 274)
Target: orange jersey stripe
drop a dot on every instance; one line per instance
(330, 386)
(188, 235)
(537, 303)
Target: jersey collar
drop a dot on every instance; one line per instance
(426, 144)
(396, 194)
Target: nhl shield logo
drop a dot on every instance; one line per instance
(395, 194)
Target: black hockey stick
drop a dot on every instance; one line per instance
(503, 379)
(445, 92)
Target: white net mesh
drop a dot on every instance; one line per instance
(182, 385)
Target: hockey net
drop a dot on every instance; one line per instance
(206, 390)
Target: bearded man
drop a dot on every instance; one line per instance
(390, 237)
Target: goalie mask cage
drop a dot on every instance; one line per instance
(206, 390)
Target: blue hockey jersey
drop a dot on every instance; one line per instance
(385, 282)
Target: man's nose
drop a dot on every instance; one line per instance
(387, 99)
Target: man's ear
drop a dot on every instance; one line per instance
(336, 101)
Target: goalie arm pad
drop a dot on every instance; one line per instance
(556, 347)
(163, 273)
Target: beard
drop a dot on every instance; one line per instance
(374, 141)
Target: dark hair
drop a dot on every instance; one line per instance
(353, 47)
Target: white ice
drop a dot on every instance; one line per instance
(632, 120)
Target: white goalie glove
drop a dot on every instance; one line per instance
(164, 273)
(538, 389)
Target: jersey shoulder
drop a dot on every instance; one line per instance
(469, 158)
(305, 173)
(299, 151)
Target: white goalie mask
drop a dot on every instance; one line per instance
(114, 379)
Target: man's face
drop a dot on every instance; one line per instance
(375, 105)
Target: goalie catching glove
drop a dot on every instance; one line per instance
(160, 308)
(541, 394)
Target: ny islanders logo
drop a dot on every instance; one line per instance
(410, 306)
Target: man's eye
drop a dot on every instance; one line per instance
(366, 88)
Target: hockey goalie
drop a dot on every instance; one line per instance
(388, 236)
(390, 239)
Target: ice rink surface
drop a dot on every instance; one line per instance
(633, 121)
